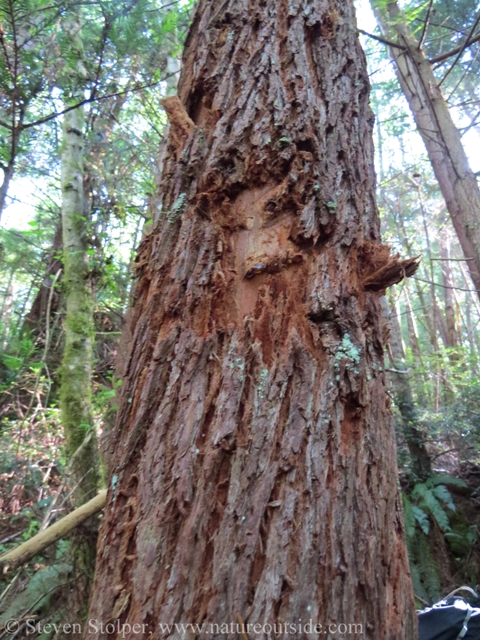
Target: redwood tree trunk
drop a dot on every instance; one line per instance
(253, 474)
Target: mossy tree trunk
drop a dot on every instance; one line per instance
(253, 474)
(76, 369)
(76, 374)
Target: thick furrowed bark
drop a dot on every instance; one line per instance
(253, 463)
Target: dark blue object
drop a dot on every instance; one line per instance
(452, 619)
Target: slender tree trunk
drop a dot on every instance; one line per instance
(7, 298)
(414, 438)
(436, 314)
(441, 137)
(414, 341)
(9, 168)
(451, 340)
(7, 177)
(425, 307)
(35, 318)
(451, 329)
(253, 475)
(379, 146)
(76, 379)
(473, 300)
(471, 337)
(5, 312)
(394, 325)
(76, 370)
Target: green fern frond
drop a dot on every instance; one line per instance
(422, 518)
(443, 478)
(429, 573)
(443, 494)
(419, 490)
(437, 511)
(428, 501)
(418, 587)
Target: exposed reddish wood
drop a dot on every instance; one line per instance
(181, 124)
(253, 469)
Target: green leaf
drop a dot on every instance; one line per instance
(12, 362)
(36, 366)
(170, 21)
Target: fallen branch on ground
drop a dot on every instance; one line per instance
(58, 530)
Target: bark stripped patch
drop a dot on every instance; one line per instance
(253, 411)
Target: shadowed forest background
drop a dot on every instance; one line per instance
(103, 69)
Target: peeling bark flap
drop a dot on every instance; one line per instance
(393, 272)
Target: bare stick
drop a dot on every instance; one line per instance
(42, 540)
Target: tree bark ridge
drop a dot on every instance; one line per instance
(253, 462)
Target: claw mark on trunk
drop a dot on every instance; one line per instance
(271, 264)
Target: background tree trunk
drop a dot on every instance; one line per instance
(76, 369)
(35, 319)
(76, 385)
(442, 139)
(18, 115)
(7, 177)
(172, 67)
(414, 438)
(253, 468)
(450, 320)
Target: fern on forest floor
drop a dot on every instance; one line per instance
(429, 502)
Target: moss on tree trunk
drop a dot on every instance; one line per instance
(76, 369)
(76, 374)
